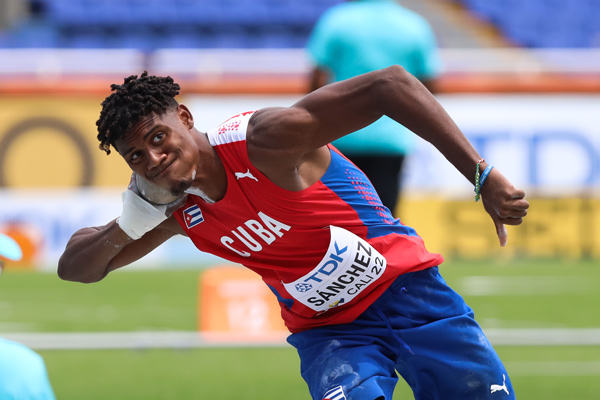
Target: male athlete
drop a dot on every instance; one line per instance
(358, 290)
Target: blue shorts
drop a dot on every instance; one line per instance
(419, 327)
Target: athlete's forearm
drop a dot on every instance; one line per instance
(90, 251)
(93, 252)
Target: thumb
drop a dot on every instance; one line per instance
(501, 232)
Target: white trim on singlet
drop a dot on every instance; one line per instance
(230, 131)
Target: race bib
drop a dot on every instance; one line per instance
(348, 268)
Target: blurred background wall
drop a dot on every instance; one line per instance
(521, 78)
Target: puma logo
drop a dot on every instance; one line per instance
(246, 174)
(497, 388)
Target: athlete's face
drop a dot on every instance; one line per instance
(163, 149)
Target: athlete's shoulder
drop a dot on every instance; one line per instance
(275, 120)
(232, 130)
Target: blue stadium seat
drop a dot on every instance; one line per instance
(274, 37)
(87, 41)
(196, 13)
(543, 23)
(154, 13)
(65, 12)
(180, 41)
(31, 38)
(148, 24)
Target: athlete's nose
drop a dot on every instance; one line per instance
(155, 158)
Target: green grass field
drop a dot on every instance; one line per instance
(506, 294)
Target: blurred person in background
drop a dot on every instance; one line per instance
(23, 374)
(360, 36)
(358, 290)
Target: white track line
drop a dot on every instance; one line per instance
(524, 285)
(544, 337)
(190, 339)
(141, 340)
(553, 368)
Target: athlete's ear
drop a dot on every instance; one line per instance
(186, 116)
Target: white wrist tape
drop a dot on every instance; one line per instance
(138, 216)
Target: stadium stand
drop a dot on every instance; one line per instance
(152, 24)
(258, 46)
(543, 23)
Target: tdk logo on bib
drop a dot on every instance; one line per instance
(192, 216)
(350, 265)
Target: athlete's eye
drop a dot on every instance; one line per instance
(158, 137)
(134, 157)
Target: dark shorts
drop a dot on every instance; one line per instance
(419, 327)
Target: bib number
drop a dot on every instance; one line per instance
(348, 268)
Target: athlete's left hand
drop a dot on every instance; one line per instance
(504, 203)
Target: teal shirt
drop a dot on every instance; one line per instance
(23, 373)
(357, 37)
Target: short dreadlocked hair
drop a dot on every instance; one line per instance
(135, 99)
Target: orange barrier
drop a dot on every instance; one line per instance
(520, 83)
(234, 303)
(298, 84)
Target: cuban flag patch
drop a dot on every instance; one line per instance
(192, 216)
(335, 394)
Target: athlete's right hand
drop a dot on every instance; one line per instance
(139, 216)
(504, 203)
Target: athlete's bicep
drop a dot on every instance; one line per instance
(341, 108)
